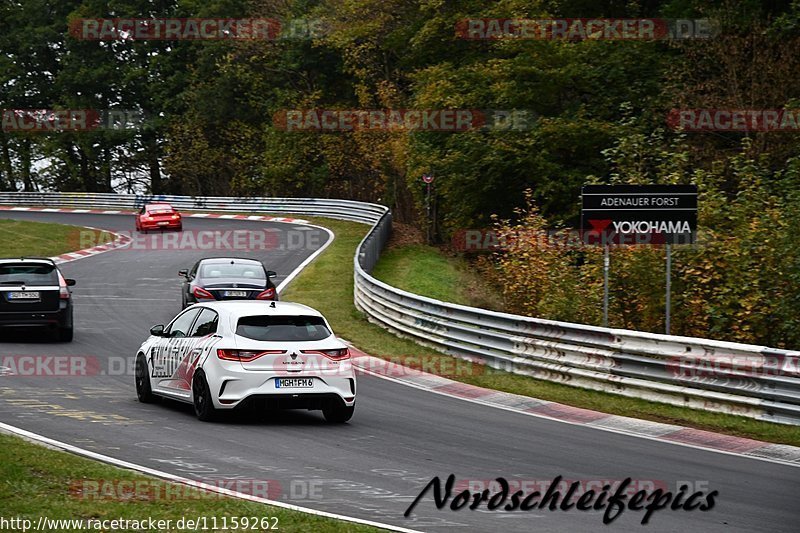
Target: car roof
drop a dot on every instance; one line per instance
(221, 260)
(46, 260)
(260, 307)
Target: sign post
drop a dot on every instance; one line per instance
(669, 285)
(639, 214)
(428, 179)
(606, 265)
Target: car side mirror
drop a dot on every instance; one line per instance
(271, 273)
(183, 273)
(157, 331)
(70, 282)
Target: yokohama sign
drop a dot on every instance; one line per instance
(639, 214)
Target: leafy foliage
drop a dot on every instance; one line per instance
(597, 111)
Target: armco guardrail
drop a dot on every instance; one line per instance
(752, 381)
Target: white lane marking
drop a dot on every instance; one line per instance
(293, 274)
(52, 443)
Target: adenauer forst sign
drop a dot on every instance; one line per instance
(639, 214)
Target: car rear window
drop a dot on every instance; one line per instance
(282, 328)
(29, 274)
(160, 210)
(227, 270)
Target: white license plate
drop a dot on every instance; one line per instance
(163, 223)
(236, 293)
(294, 383)
(29, 295)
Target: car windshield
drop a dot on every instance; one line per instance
(29, 274)
(283, 328)
(235, 270)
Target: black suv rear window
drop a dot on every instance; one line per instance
(282, 328)
(29, 274)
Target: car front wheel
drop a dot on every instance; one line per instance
(143, 390)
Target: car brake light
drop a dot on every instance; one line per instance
(147, 217)
(63, 291)
(199, 292)
(334, 355)
(175, 217)
(268, 294)
(244, 356)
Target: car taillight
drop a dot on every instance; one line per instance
(244, 356)
(63, 291)
(335, 355)
(268, 294)
(202, 293)
(175, 217)
(147, 217)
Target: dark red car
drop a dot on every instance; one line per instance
(158, 217)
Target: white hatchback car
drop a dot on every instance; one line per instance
(248, 353)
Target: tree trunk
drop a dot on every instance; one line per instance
(9, 183)
(151, 146)
(25, 161)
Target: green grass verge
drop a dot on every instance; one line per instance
(424, 270)
(25, 238)
(40, 482)
(327, 284)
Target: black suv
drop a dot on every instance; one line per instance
(34, 293)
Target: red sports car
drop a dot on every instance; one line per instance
(158, 217)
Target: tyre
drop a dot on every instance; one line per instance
(65, 334)
(143, 390)
(203, 405)
(337, 412)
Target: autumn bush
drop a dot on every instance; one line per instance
(739, 282)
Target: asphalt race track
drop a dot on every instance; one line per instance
(373, 467)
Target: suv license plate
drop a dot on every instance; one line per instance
(29, 295)
(294, 383)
